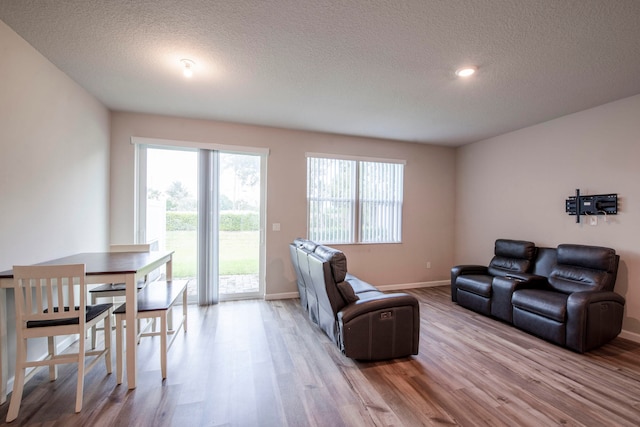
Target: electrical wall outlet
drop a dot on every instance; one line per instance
(428, 264)
(593, 220)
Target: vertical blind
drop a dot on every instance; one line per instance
(331, 200)
(380, 202)
(354, 200)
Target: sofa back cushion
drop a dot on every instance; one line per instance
(512, 256)
(594, 257)
(305, 244)
(336, 272)
(584, 268)
(545, 262)
(336, 259)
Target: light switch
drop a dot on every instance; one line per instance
(275, 226)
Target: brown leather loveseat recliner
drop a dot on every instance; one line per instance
(365, 323)
(564, 294)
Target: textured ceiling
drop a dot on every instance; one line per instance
(376, 68)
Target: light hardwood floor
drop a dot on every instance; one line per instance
(257, 363)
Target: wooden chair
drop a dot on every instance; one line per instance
(156, 300)
(48, 306)
(114, 290)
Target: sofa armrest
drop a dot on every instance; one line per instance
(459, 270)
(532, 279)
(593, 319)
(378, 302)
(468, 269)
(581, 299)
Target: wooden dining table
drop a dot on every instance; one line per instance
(100, 267)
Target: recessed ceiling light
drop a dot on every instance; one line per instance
(187, 67)
(466, 71)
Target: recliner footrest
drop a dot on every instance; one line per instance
(549, 304)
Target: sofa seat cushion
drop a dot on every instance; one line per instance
(549, 304)
(358, 285)
(369, 295)
(478, 284)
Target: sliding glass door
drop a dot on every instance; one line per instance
(168, 208)
(239, 236)
(207, 206)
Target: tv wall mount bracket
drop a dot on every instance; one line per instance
(597, 204)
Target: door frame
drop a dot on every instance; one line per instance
(141, 144)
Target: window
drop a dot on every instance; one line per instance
(351, 200)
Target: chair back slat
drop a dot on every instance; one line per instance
(71, 295)
(27, 298)
(48, 292)
(55, 287)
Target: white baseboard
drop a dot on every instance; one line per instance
(631, 336)
(402, 286)
(283, 295)
(384, 288)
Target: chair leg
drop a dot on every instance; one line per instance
(184, 310)
(107, 342)
(81, 369)
(53, 368)
(163, 343)
(94, 328)
(170, 318)
(119, 348)
(18, 380)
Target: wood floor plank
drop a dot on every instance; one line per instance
(263, 363)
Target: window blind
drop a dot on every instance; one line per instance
(380, 202)
(352, 201)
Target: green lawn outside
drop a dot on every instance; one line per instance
(239, 252)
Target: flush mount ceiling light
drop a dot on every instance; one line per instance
(187, 67)
(466, 71)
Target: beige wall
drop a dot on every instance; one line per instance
(428, 203)
(515, 186)
(54, 166)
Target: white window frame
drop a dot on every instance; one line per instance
(392, 215)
